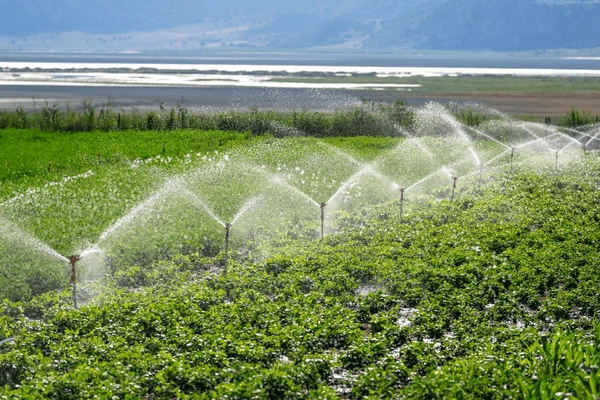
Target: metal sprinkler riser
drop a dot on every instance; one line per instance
(453, 188)
(512, 155)
(322, 205)
(402, 190)
(73, 260)
(227, 228)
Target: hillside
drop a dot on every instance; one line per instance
(506, 25)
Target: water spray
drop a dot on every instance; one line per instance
(227, 227)
(453, 188)
(73, 260)
(402, 190)
(322, 205)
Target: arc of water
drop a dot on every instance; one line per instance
(567, 145)
(573, 140)
(447, 171)
(129, 217)
(545, 138)
(470, 175)
(419, 144)
(245, 207)
(555, 133)
(488, 136)
(200, 203)
(533, 134)
(425, 179)
(458, 128)
(339, 151)
(498, 156)
(477, 172)
(529, 143)
(595, 137)
(581, 134)
(8, 228)
(366, 169)
(281, 182)
(475, 156)
(91, 250)
(278, 180)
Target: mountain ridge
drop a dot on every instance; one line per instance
(469, 25)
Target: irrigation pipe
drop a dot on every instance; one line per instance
(11, 339)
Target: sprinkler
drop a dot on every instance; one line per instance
(227, 227)
(512, 155)
(453, 188)
(585, 149)
(401, 200)
(322, 205)
(556, 160)
(480, 174)
(73, 260)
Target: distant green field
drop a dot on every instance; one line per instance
(472, 84)
(31, 154)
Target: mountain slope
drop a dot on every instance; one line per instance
(501, 25)
(512, 25)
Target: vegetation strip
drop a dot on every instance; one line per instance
(491, 295)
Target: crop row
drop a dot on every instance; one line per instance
(491, 296)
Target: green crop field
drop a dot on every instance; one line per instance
(456, 261)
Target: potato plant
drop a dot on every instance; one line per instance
(491, 292)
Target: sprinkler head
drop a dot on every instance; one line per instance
(322, 205)
(74, 258)
(227, 227)
(455, 178)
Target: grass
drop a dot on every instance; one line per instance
(31, 154)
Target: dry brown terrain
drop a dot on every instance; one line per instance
(514, 103)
